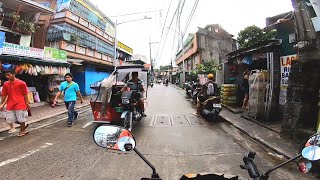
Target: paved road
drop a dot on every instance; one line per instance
(174, 140)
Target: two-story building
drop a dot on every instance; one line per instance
(207, 44)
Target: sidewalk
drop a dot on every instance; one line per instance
(264, 136)
(44, 112)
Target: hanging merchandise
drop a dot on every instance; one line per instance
(38, 69)
(7, 66)
(35, 73)
(42, 70)
(257, 92)
(19, 69)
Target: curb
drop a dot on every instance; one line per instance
(258, 140)
(49, 116)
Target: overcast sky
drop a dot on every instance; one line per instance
(232, 15)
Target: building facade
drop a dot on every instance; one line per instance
(22, 50)
(207, 44)
(86, 34)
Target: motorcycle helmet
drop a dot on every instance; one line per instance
(210, 76)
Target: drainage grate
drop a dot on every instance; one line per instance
(176, 120)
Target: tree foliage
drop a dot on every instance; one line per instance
(205, 68)
(253, 34)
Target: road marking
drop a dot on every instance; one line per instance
(6, 162)
(88, 124)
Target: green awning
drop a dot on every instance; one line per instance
(20, 59)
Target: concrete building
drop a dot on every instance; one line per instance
(207, 44)
(87, 35)
(23, 49)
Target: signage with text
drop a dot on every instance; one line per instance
(54, 54)
(2, 36)
(125, 48)
(18, 50)
(285, 65)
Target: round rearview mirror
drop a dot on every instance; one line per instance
(114, 137)
(304, 165)
(311, 153)
(313, 141)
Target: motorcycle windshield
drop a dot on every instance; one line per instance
(124, 75)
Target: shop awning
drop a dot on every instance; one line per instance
(27, 6)
(77, 62)
(20, 59)
(256, 47)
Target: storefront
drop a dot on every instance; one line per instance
(263, 62)
(41, 69)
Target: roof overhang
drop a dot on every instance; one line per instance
(77, 62)
(27, 6)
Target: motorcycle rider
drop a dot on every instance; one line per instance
(136, 84)
(210, 88)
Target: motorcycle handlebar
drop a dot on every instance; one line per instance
(250, 166)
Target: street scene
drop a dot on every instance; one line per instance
(151, 90)
(170, 137)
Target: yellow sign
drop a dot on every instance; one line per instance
(125, 48)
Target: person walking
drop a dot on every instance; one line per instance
(15, 96)
(245, 88)
(70, 90)
(3, 114)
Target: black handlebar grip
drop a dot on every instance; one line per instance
(250, 165)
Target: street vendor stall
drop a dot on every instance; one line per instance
(262, 60)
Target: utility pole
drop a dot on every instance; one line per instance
(171, 72)
(115, 37)
(151, 60)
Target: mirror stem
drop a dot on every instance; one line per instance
(280, 165)
(154, 172)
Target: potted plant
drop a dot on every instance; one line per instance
(74, 38)
(14, 16)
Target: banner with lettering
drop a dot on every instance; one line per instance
(285, 65)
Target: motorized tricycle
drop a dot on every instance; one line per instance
(111, 105)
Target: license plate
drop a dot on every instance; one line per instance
(217, 105)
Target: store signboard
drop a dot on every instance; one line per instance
(18, 50)
(62, 4)
(125, 48)
(2, 36)
(285, 66)
(54, 54)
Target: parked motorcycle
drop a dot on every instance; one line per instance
(120, 139)
(189, 89)
(210, 107)
(195, 92)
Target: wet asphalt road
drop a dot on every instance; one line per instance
(170, 137)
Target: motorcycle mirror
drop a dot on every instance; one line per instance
(114, 138)
(314, 140)
(304, 165)
(312, 148)
(311, 153)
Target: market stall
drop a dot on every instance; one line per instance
(262, 61)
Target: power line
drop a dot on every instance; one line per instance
(165, 40)
(165, 21)
(190, 17)
(134, 13)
